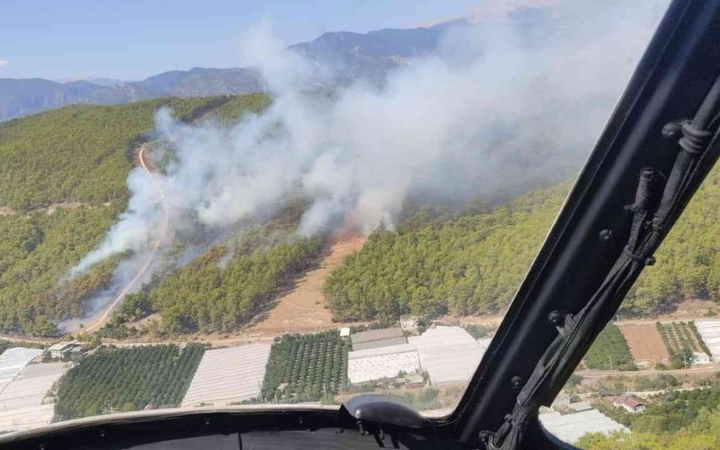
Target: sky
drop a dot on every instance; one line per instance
(134, 39)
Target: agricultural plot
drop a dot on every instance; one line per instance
(228, 375)
(682, 339)
(645, 343)
(24, 401)
(312, 366)
(13, 361)
(610, 351)
(127, 379)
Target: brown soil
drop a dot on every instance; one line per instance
(645, 343)
(303, 309)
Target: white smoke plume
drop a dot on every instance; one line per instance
(500, 103)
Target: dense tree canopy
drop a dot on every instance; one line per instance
(473, 264)
(207, 296)
(78, 153)
(610, 351)
(127, 379)
(62, 185)
(37, 252)
(675, 420)
(468, 265)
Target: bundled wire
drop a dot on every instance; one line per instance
(655, 206)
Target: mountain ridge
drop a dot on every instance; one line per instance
(350, 55)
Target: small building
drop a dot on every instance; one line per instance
(66, 351)
(700, 358)
(628, 403)
(345, 332)
(383, 337)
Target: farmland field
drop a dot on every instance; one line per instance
(610, 351)
(679, 335)
(645, 343)
(313, 366)
(682, 339)
(127, 379)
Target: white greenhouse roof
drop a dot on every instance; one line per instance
(710, 333)
(23, 402)
(571, 427)
(448, 354)
(228, 375)
(383, 362)
(13, 361)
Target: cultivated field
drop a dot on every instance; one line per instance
(645, 342)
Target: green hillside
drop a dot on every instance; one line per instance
(79, 155)
(438, 262)
(474, 264)
(229, 284)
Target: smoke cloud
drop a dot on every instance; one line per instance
(500, 103)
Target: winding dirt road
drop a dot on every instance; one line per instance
(103, 318)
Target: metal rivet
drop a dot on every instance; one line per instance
(516, 382)
(555, 318)
(671, 130)
(605, 235)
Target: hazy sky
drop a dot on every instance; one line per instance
(132, 39)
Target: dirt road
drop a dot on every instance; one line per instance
(302, 310)
(103, 318)
(594, 374)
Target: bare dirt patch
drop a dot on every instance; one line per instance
(303, 308)
(645, 342)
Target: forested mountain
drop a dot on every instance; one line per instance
(20, 97)
(474, 264)
(75, 159)
(229, 284)
(80, 153)
(62, 185)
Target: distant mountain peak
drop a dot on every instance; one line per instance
(352, 55)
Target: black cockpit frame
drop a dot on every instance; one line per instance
(677, 71)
